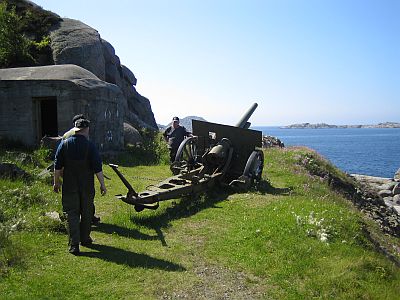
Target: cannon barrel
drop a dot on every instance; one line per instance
(243, 123)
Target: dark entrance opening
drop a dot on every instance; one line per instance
(46, 117)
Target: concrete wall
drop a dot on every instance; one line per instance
(100, 102)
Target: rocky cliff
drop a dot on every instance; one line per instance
(73, 42)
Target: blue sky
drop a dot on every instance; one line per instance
(302, 61)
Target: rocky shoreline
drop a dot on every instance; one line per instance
(387, 189)
(324, 126)
(366, 193)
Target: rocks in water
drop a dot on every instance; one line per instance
(397, 176)
(388, 186)
(271, 141)
(386, 189)
(362, 191)
(388, 201)
(375, 184)
(396, 189)
(385, 193)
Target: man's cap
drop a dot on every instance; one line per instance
(77, 117)
(81, 124)
(175, 119)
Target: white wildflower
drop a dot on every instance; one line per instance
(323, 235)
(310, 232)
(311, 219)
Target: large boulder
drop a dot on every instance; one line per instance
(396, 199)
(112, 64)
(131, 135)
(128, 75)
(12, 171)
(74, 42)
(396, 189)
(271, 141)
(385, 193)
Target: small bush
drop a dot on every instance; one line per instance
(43, 154)
(45, 42)
(24, 34)
(14, 46)
(153, 151)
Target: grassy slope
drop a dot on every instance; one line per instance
(266, 243)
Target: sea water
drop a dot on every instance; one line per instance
(368, 151)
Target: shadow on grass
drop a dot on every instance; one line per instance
(122, 231)
(265, 187)
(133, 260)
(188, 206)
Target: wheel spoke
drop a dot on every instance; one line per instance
(187, 154)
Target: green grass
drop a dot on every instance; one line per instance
(292, 237)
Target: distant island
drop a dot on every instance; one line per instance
(324, 125)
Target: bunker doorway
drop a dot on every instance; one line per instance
(46, 116)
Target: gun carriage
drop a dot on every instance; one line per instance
(216, 154)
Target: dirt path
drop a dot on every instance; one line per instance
(216, 282)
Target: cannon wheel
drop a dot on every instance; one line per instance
(187, 156)
(254, 165)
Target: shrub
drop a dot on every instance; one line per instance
(24, 34)
(153, 151)
(14, 46)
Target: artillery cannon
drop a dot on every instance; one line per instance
(223, 154)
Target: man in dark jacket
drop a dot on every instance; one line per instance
(95, 219)
(78, 159)
(174, 136)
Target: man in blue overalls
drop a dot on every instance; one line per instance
(95, 219)
(78, 159)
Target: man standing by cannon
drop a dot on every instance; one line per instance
(174, 136)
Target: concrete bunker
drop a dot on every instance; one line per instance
(41, 101)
